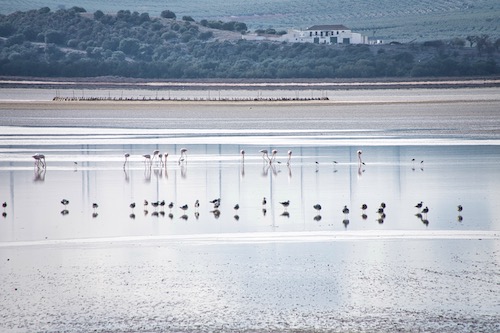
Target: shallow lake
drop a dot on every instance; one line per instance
(441, 176)
(260, 267)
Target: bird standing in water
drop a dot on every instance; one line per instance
(127, 155)
(360, 161)
(289, 157)
(285, 203)
(183, 157)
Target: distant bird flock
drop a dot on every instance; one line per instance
(160, 160)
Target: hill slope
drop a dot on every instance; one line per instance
(73, 43)
(400, 20)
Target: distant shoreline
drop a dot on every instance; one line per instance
(254, 84)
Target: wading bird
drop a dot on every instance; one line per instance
(39, 160)
(273, 155)
(289, 157)
(147, 159)
(360, 161)
(265, 155)
(183, 156)
(285, 204)
(127, 155)
(155, 153)
(317, 207)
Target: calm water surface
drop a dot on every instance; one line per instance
(442, 176)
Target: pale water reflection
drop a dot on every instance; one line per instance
(442, 177)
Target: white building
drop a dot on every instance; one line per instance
(318, 34)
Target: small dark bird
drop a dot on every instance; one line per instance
(364, 206)
(197, 203)
(64, 202)
(317, 207)
(285, 203)
(132, 205)
(236, 207)
(162, 203)
(380, 210)
(4, 205)
(95, 206)
(425, 210)
(382, 205)
(419, 205)
(184, 207)
(460, 208)
(146, 202)
(155, 203)
(264, 201)
(171, 205)
(345, 210)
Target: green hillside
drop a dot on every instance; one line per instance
(389, 20)
(75, 43)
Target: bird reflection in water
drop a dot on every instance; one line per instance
(39, 175)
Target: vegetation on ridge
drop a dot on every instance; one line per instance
(73, 43)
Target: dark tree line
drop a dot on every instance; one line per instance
(73, 43)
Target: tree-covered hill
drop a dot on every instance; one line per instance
(74, 43)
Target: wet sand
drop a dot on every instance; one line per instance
(331, 280)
